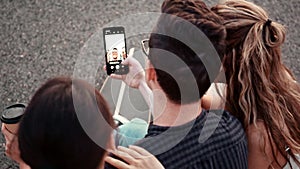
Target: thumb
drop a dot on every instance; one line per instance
(130, 55)
(126, 61)
(131, 52)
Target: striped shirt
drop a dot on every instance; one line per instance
(214, 140)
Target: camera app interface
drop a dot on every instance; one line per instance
(115, 46)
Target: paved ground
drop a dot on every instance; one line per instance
(42, 38)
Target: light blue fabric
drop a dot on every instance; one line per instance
(128, 133)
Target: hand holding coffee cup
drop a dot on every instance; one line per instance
(11, 145)
(10, 119)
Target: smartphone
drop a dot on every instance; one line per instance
(115, 50)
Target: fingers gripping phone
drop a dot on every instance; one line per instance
(115, 50)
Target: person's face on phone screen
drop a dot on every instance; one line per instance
(116, 43)
(115, 54)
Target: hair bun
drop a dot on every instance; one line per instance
(274, 33)
(268, 22)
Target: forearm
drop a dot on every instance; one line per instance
(146, 93)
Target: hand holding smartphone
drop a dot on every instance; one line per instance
(115, 50)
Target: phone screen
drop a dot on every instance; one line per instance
(115, 49)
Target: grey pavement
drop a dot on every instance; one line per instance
(41, 39)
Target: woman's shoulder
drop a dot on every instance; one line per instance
(257, 136)
(257, 132)
(260, 146)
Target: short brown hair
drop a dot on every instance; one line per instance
(176, 81)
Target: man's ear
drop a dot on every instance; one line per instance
(150, 72)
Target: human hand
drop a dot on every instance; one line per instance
(11, 145)
(135, 158)
(136, 75)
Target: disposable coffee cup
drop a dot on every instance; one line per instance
(11, 117)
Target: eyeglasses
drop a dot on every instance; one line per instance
(145, 46)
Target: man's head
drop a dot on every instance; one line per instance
(114, 53)
(185, 78)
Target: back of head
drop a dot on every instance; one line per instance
(259, 84)
(50, 134)
(173, 44)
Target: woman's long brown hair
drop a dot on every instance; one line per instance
(260, 87)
